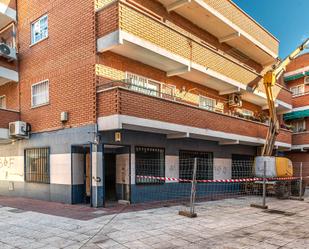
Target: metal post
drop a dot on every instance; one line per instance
(301, 182)
(192, 213)
(193, 190)
(264, 185)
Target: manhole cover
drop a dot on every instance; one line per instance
(274, 211)
(16, 210)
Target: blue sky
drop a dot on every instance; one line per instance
(287, 20)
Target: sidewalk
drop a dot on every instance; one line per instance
(220, 224)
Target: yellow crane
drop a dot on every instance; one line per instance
(269, 80)
(267, 165)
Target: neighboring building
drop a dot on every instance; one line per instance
(107, 84)
(297, 80)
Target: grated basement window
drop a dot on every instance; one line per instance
(37, 165)
(149, 162)
(204, 170)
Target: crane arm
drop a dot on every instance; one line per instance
(270, 79)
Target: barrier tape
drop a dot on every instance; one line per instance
(218, 181)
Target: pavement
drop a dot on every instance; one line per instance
(227, 224)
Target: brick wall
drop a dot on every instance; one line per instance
(66, 58)
(123, 64)
(119, 101)
(107, 20)
(299, 62)
(11, 93)
(301, 138)
(6, 117)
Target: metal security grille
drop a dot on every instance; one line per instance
(149, 161)
(37, 165)
(204, 165)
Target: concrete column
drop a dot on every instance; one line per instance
(97, 175)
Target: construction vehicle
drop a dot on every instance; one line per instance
(277, 167)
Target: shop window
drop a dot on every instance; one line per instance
(37, 165)
(149, 162)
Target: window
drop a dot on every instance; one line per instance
(242, 166)
(39, 29)
(247, 113)
(149, 162)
(299, 125)
(207, 103)
(40, 93)
(142, 84)
(204, 165)
(37, 165)
(297, 90)
(2, 102)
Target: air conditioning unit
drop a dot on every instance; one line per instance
(19, 129)
(307, 80)
(7, 52)
(235, 100)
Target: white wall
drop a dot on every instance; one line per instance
(12, 168)
(122, 169)
(222, 168)
(172, 167)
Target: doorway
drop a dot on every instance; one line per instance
(116, 165)
(81, 174)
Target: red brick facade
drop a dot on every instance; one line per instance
(121, 101)
(7, 117)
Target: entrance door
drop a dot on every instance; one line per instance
(87, 176)
(110, 177)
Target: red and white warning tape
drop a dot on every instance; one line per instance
(172, 179)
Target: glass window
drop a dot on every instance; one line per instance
(40, 93)
(142, 84)
(204, 165)
(39, 29)
(149, 162)
(37, 165)
(247, 113)
(299, 125)
(207, 103)
(297, 90)
(2, 102)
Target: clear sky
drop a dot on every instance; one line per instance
(287, 20)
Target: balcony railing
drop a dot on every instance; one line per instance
(170, 108)
(174, 39)
(300, 100)
(301, 138)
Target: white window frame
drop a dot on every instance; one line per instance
(209, 108)
(36, 84)
(32, 29)
(3, 97)
(145, 82)
(299, 123)
(298, 87)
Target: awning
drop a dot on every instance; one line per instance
(296, 115)
(296, 76)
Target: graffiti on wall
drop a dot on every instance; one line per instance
(11, 168)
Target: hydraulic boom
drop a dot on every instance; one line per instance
(269, 80)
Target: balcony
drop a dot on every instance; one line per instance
(229, 24)
(147, 38)
(126, 106)
(8, 55)
(6, 116)
(300, 141)
(301, 100)
(7, 12)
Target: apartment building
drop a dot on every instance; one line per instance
(297, 80)
(102, 85)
